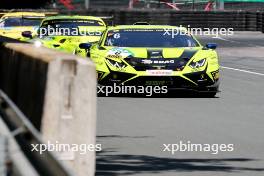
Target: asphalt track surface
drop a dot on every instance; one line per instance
(132, 131)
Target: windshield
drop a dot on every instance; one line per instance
(70, 28)
(148, 38)
(18, 21)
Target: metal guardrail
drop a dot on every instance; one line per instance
(3, 148)
(25, 134)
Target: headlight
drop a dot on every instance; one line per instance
(116, 64)
(197, 64)
(37, 43)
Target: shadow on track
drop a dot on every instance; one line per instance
(110, 164)
(119, 136)
(173, 94)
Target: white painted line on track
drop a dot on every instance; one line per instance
(220, 38)
(245, 71)
(232, 41)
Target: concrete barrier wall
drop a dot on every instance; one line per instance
(57, 92)
(71, 96)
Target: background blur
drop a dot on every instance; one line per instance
(206, 5)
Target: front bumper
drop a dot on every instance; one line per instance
(197, 81)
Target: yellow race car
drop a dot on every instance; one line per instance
(13, 24)
(154, 55)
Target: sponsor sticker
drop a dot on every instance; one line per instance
(118, 53)
(147, 61)
(116, 35)
(216, 75)
(159, 72)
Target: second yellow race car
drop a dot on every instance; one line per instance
(14, 23)
(65, 32)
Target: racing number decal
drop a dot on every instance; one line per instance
(116, 35)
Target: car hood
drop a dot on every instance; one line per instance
(151, 53)
(70, 39)
(15, 32)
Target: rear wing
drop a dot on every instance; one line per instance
(46, 13)
(1, 14)
(33, 17)
(51, 13)
(109, 20)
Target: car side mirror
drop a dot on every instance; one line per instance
(27, 34)
(211, 45)
(86, 46)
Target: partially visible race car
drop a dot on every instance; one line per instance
(151, 55)
(65, 33)
(14, 23)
